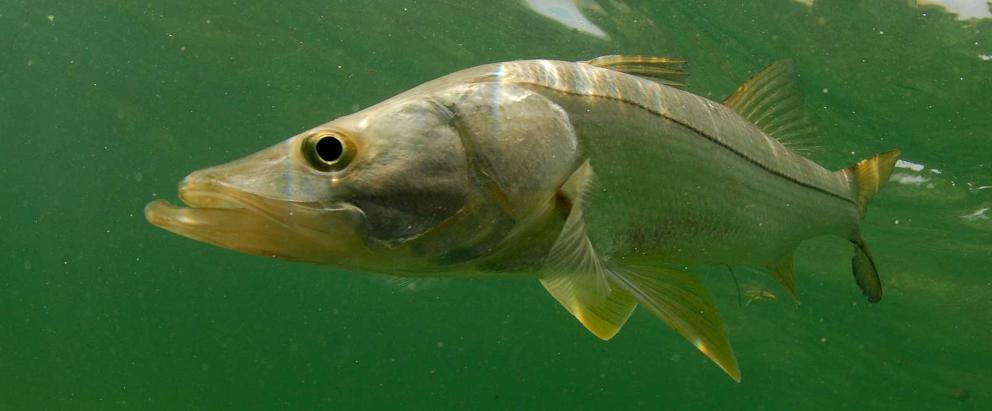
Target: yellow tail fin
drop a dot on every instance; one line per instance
(869, 175)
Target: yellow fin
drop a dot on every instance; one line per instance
(785, 272)
(678, 299)
(869, 175)
(576, 276)
(665, 70)
(603, 318)
(771, 100)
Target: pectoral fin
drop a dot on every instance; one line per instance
(678, 299)
(576, 276)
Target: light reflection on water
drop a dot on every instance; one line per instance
(566, 12)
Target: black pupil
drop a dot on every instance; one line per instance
(329, 149)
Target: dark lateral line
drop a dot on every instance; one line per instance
(707, 136)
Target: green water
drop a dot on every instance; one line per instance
(106, 105)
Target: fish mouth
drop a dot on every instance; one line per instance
(230, 218)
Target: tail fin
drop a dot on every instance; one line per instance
(865, 273)
(869, 175)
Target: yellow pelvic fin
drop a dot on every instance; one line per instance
(772, 101)
(604, 317)
(785, 272)
(664, 70)
(678, 299)
(869, 175)
(576, 276)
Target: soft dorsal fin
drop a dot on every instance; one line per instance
(574, 273)
(771, 100)
(785, 272)
(665, 70)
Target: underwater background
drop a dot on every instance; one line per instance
(106, 105)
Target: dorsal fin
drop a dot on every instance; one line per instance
(771, 100)
(665, 70)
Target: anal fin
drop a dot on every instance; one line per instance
(681, 301)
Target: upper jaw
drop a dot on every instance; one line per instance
(238, 220)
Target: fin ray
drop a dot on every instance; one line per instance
(865, 273)
(576, 276)
(869, 175)
(772, 102)
(785, 272)
(681, 301)
(664, 70)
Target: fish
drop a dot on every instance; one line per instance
(603, 179)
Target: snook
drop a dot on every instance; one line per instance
(596, 177)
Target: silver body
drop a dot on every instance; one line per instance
(680, 178)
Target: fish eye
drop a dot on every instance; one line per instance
(327, 152)
(329, 149)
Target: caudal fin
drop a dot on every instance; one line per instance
(869, 175)
(865, 273)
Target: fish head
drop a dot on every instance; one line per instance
(351, 193)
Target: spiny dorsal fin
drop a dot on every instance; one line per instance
(771, 100)
(785, 272)
(576, 276)
(678, 299)
(665, 70)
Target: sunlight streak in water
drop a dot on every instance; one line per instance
(965, 9)
(977, 215)
(567, 13)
